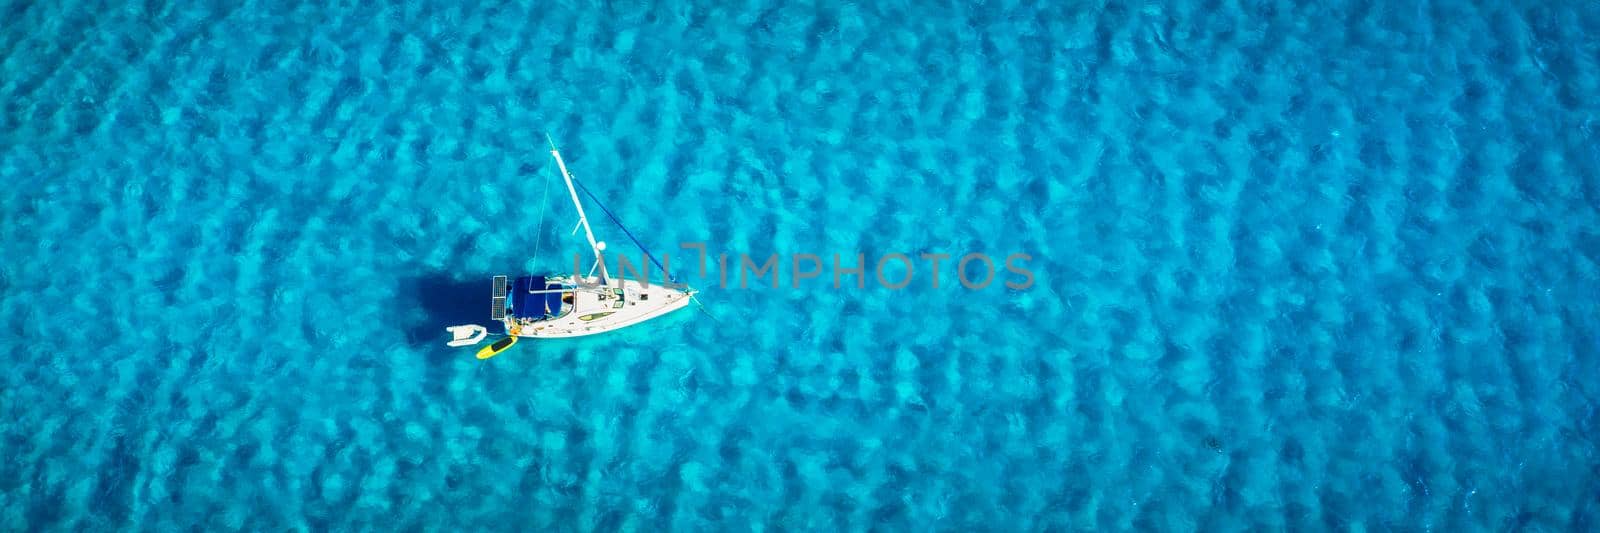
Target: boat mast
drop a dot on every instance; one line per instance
(582, 219)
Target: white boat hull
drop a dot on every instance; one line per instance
(591, 310)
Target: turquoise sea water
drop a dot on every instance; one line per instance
(1297, 267)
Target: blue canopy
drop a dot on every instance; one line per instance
(527, 304)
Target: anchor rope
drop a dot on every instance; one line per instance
(703, 308)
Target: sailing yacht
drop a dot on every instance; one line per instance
(577, 305)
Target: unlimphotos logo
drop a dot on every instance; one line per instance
(893, 271)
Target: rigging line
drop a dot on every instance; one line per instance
(544, 208)
(624, 230)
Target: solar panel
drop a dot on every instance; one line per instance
(499, 310)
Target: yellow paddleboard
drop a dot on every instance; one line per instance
(499, 345)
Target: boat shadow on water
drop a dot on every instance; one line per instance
(440, 300)
(434, 301)
(429, 303)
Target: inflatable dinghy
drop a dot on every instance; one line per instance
(467, 335)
